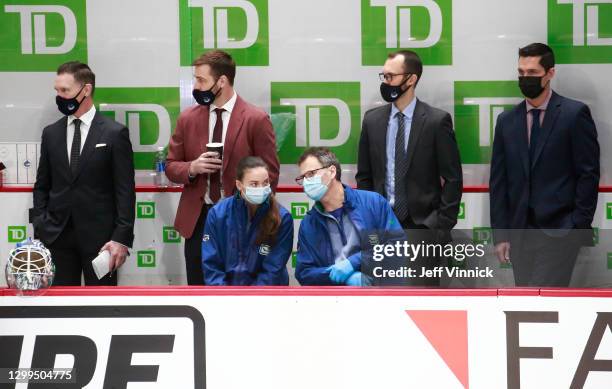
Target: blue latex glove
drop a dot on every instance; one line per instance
(340, 271)
(355, 279)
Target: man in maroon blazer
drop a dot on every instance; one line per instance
(221, 116)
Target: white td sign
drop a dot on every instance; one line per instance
(308, 121)
(399, 32)
(129, 115)
(215, 13)
(489, 109)
(592, 22)
(39, 38)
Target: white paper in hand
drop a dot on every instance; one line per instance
(101, 264)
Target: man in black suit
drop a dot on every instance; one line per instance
(84, 196)
(544, 177)
(408, 154)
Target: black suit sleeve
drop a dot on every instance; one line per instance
(498, 185)
(125, 189)
(364, 165)
(449, 165)
(585, 153)
(43, 180)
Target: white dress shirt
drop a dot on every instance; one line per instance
(86, 120)
(212, 120)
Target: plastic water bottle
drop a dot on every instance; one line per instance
(160, 169)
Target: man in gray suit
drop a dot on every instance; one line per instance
(408, 154)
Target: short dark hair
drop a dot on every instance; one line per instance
(547, 57)
(325, 156)
(412, 62)
(220, 62)
(81, 73)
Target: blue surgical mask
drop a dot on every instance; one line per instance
(257, 195)
(315, 188)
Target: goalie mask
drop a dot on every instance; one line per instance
(29, 266)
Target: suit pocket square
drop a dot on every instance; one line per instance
(100, 145)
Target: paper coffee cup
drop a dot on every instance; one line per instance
(216, 147)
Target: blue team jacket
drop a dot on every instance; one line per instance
(369, 212)
(229, 253)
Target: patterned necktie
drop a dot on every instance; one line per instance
(401, 169)
(75, 150)
(215, 178)
(535, 132)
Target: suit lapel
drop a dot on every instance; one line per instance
(95, 132)
(63, 146)
(418, 122)
(552, 111)
(234, 128)
(523, 145)
(381, 122)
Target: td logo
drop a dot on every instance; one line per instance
(149, 113)
(146, 258)
(16, 234)
(299, 210)
(424, 26)
(609, 211)
(580, 31)
(145, 210)
(40, 37)
(323, 114)
(477, 106)
(239, 27)
(461, 214)
(482, 235)
(293, 259)
(171, 235)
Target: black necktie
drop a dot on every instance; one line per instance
(401, 169)
(215, 178)
(75, 151)
(535, 132)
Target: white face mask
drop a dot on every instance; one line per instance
(257, 195)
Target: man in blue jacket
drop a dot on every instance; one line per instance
(330, 236)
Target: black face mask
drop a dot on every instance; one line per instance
(531, 86)
(390, 93)
(205, 97)
(69, 106)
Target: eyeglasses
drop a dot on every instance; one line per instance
(390, 76)
(308, 174)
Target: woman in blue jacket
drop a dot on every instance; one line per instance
(248, 237)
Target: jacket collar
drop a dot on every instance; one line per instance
(349, 202)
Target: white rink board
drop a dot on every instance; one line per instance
(339, 341)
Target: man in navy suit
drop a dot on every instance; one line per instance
(544, 177)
